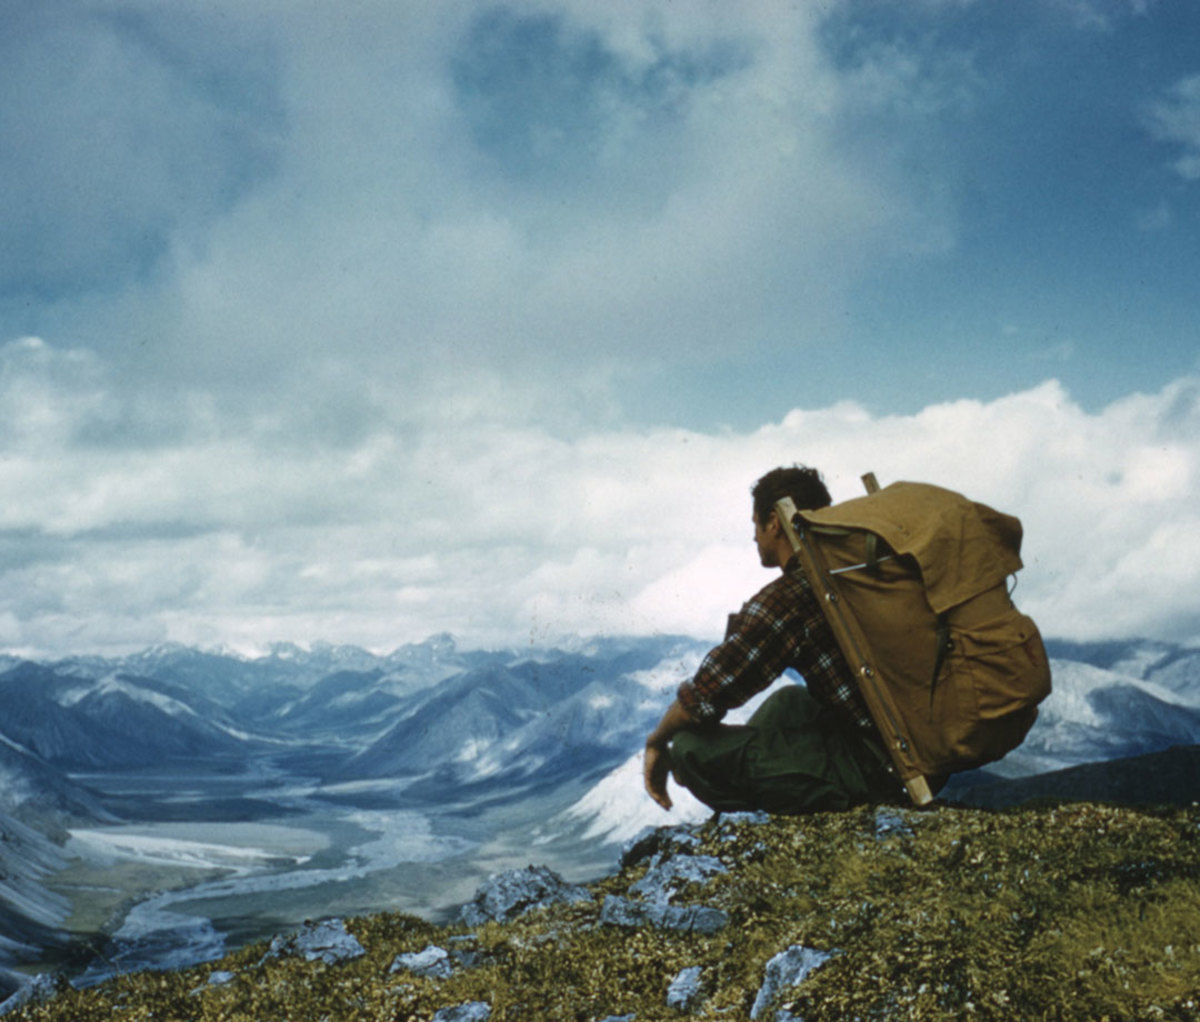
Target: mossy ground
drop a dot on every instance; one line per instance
(1056, 913)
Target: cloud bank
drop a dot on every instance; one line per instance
(132, 522)
(362, 322)
(238, 192)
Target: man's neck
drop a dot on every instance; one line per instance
(783, 553)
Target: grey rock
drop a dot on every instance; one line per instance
(42, 987)
(618, 911)
(664, 873)
(467, 959)
(891, 822)
(472, 1011)
(785, 970)
(657, 841)
(619, 1018)
(433, 962)
(465, 953)
(685, 989)
(328, 941)
(702, 919)
(219, 978)
(752, 818)
(507, 895)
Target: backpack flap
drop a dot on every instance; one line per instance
(962, 548)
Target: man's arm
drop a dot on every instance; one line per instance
(755, 651)
(657, 763)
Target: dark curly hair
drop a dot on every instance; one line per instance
(803, 485)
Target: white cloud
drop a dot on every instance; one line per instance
(1176, 118)
(331, 361)
(125, 129)
(503, 533)
(721, 199)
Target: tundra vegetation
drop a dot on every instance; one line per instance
(1054, 912)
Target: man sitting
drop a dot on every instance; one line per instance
(806, 748)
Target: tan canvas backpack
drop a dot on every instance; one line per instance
(913, 579)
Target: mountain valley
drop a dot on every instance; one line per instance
(160, 808)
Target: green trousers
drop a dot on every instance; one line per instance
(792, 756)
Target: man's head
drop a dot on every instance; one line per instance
(807, 491)
(802, 484)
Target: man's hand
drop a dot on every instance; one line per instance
(655, 769)
(657, 764)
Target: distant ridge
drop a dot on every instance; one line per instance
(1169, 777)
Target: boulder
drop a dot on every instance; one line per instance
(702, 919)
(42, 987)
(685, 989)
(328, 941)
(785, 970)
(433, 963)
(472, 1011)
(507, 895)
(664, 872)
(657, 841)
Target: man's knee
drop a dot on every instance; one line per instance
(709, 763)
(685, 742)
(687, 755)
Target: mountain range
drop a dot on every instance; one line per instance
(442, 728)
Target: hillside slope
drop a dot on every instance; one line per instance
(1061, 912)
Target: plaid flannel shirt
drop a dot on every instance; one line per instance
(782, 626)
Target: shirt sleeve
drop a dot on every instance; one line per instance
(757, 648)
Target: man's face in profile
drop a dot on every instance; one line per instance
(766, 546)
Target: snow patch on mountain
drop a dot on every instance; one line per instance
(665, 676)
(471, 750)
(1140, 659)
(1071, 686)
(617, 808)
(1180, 675)
(1075, 685)
(117, 684)
(1095, 714)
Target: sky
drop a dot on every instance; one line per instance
(366, 321)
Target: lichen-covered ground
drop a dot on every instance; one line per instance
(1060, 912)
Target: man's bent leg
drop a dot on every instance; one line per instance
(793, 756)
(709, 763)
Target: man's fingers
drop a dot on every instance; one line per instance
(657, 765)
(658, 792)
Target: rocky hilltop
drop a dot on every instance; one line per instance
(1058, 911)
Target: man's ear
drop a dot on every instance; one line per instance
(773, 526)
